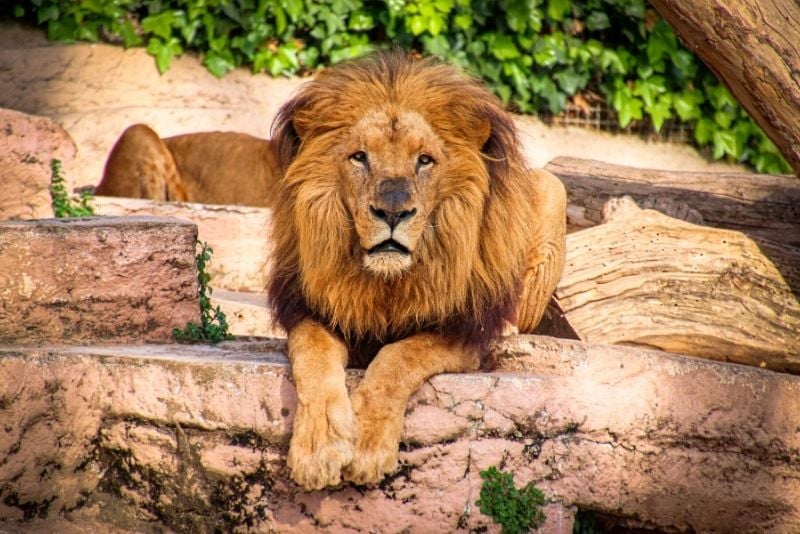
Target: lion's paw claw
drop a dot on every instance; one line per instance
(322, 444)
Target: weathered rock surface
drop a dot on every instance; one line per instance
(248, 313)
(27, 144)
(239, 236)
(194, 438)
(96, 279)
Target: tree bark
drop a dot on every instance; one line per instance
(760, 205)
(646, 279)
(754, 49)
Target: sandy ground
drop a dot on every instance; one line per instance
(95, 91)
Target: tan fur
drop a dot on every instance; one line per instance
(484, 239)
(207, 167)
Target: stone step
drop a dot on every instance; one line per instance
(189, 438)
(247, 313)
(238, 235)
(96, 279)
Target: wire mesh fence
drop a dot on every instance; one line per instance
(603, 118)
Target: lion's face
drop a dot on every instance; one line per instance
(398, 205)
(390, 165)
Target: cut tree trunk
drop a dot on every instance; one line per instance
(754, 49)
(646, 279)
(760, 205)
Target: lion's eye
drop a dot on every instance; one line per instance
(424, 160)
(359, 157)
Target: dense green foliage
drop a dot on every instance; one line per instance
(535, 54)
(213, 326)
(515, 510)
(63, 204)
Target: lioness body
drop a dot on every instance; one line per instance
(208, 167)
(407, 232)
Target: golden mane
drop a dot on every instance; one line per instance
(465, 281)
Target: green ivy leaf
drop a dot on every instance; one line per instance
(435, 25)
(724, 117)
(50, 12)
(661, 43)
(720, 97)
(361, 21)
(164, 51)
(218, 64)
(129, 36)
(437, 46)
(160, 24)
(463, 21)
(550, 50)
(597, 21)
(660, 111)
(571, 81)
(64, 30)
(649, 89)
(558, 9)
(522, 15)
(704, 131)
(350, 52)
(294, 8)
(503, 47)
(724, 143)
(628, 107)
(418, 24)
(610, 60)
(687, 105)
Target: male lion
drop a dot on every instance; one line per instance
(208, 167)
(407, 231)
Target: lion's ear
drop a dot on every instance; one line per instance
(288, 131)
(499, 142)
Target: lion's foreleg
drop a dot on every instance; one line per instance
(545, 261)
(323, 433)
(380, 399)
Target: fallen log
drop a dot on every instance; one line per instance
(754, 49)
(194, 438)
(649, 280)
(760, 205)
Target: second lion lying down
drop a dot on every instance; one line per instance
(407, 232)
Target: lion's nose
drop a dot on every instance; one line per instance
(392, 218)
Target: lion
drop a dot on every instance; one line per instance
(205, 167)
(407, 233)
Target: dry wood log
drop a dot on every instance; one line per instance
(645, 279)
(759, 205)
(754, 48)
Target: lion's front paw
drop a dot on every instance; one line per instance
(322, 442)
(377, 444)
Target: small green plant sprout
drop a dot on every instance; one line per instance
(515, 510)
(213, 326)
(63, 205)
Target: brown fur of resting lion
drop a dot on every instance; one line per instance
(407, 232)
(206, 167)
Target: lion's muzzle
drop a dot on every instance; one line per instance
(391, 211)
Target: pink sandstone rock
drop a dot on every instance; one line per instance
(239, 236)
(194, 438)
(27, 145)
(102, 278)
